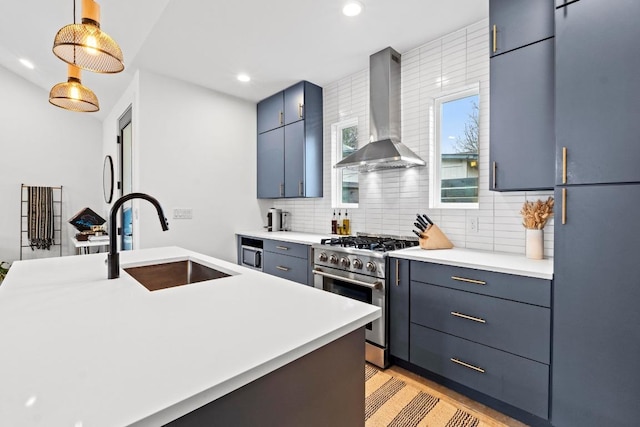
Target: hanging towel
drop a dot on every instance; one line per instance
(40, 217)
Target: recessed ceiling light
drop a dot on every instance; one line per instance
(352, 8)
(244, 78)
(27, 63)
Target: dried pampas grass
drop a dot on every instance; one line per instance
(536, 214)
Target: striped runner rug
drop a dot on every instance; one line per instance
(391, 402)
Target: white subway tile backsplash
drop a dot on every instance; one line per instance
(389, 200)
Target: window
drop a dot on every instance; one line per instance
(454, 161)
(344, 141)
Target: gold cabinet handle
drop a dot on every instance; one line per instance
(467, 365)
(397, 272)
(465, 316)
(464, 279)
(282, 248)
(279, 267)
(300, 109)
(495, 166)
(300, 189)
(282, 190)
(281, 118)
(564, 165)
(494, 32)
(564, 206)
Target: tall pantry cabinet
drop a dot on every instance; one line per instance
(596, 297)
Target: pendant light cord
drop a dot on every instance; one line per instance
(74, 31)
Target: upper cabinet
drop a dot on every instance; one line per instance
(522, 143)
(290, 143)
(517, 23)
(597, 92)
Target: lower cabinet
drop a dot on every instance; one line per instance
(488, 331)
(285, 259)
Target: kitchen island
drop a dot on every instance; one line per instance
(81, 350)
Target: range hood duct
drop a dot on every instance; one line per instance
(386, 151)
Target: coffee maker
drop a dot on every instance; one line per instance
(274, 220)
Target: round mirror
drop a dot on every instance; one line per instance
(107, 179)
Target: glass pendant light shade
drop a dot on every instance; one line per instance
(86, 46)
(72, 95)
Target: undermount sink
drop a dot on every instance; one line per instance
(174, 273)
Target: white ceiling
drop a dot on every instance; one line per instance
(277, 42)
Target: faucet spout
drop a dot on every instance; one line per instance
(113, 258)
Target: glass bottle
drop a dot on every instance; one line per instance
(334, 224)
(346, 225)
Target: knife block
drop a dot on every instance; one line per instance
(434, 238)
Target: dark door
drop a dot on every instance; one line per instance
(270, 113)
(294, 160)
(294, 103)
(126, 181)
(596, 319)
(598, 91)
(271, 164)
(399, 308)
(522, 119)
(517, 23)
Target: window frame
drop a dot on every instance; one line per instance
(336, 156)
(435, 160)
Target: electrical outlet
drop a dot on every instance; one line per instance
(473, 224)
(183, 213)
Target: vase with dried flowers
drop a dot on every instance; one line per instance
(534, 217)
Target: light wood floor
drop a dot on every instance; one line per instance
(490, 416)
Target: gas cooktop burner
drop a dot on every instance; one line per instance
(371, 242)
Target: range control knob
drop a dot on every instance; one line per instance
(344, 261)
(322, 257)
(357, 263)
(333, 259)
(371, 266)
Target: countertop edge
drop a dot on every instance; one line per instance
(539, 269)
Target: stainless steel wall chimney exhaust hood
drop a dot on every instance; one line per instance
(386, 151)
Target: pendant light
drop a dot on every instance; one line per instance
(72, 95)
(85, 45)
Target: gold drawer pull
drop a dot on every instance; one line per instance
(282, 248)
(564, 165)
(279, 267)
(281, 118)
(463, 279)
(300, 109)
(465, 316)
(466, 365)
(494, 30)
(564, 206)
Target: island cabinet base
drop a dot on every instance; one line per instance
(323, 388)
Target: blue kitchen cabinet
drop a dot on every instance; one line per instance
(517, 23)
(298, 170)
(271, 164)
(488, 332)
(271, 113)
(294, 103)
(399, 308)
(597, 92)
(522, 146)
(596, 321)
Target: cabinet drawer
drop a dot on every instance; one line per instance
(291, 249)
(508, 286)
(511, 326)
(287, 267)
(520, 382)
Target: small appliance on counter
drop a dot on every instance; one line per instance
(274, 220)
(286, 221)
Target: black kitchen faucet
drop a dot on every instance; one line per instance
(113, 258)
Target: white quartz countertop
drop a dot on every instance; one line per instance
(288, 236)
(481, 260)
(80, 350)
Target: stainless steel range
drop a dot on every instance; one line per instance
(355, 266)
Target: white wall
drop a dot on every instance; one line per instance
(43, 145)
(389, 200)
(193, 148)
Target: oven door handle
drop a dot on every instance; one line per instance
(374, 286)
